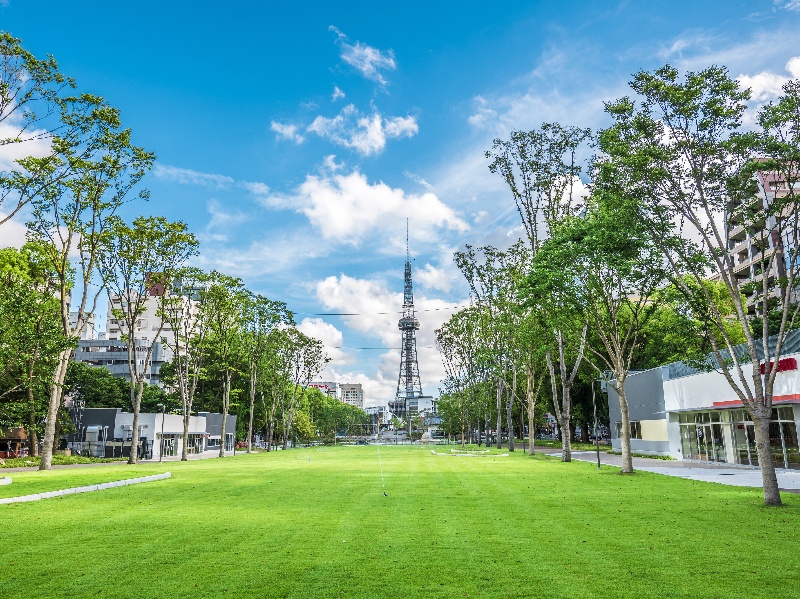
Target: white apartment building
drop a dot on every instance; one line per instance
(89, 331)
(349, 393)
(751, 244)
(353, 394)
(111, 353)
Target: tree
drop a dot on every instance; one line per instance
(542, 170)
(29, 96)
(261, 316)
(180, 309)
(221, 309)
(70, 216)
(679, 151)
(97, 387)
(138, 262)
(615, 272)
(489, 278)
(306, 360)
(31, 337)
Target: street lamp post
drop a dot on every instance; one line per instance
(163, 417)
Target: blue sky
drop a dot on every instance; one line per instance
(295, 140)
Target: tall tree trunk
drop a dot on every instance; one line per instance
(531, 405)
(253, 374)
(510, 414)
(772, 494)
(226, 398)
(186, 409)
(498, 443)
(271, 421)
(56, 393)
(137, 403)
(625, 433)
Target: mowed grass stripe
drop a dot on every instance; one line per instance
(284, 525)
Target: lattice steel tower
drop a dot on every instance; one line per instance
(408, 383)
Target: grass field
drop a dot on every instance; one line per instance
(316, 523)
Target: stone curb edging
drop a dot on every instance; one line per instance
(85, 489)
(472, 455)
(5, 480)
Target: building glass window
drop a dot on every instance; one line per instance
(636, 430)
(722, 436)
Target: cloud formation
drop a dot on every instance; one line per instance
(368, 61)
(347, 208)
(366, 134)
(187, 176)
(287, 131)
(766, 85)
(331, 337)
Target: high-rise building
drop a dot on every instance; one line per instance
(353, 394)
(752, 243)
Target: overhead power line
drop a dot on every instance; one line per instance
(372, 313)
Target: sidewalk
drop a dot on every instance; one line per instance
(725, 474)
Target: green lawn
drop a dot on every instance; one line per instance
(315, 523)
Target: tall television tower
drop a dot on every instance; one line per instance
(408, 382)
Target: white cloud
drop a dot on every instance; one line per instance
(366, 134)
(365, 59)
(434, 278)
(329, 164)
(331, 337)
(255, 187)
(12, 233)
(36, 143)
(417, 179)
(792, 5)
(287, 131)
(277, 255)
(399, 126)
(222, 217)
(337, 93)
(348, 208)
(483, 113)
(767, 86)
(187, 176)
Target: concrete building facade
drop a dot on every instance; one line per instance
(689, 414)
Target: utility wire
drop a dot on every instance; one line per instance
(373, 313)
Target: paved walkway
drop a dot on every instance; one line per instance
(726, 474)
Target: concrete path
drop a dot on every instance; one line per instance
(726, 474)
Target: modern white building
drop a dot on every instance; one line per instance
(353, 394)
(689, 414)
(89, 331)
(108, 431)
(112, 355)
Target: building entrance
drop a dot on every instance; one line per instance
(729, 436)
